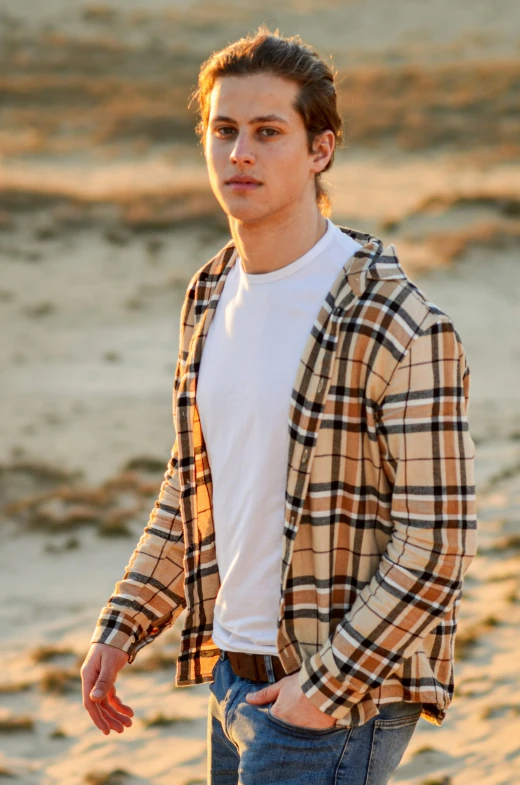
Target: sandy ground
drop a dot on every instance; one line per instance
(89, 315)
(90, 387)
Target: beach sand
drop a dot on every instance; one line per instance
(105, 214)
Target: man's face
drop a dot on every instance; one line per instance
(256, 147)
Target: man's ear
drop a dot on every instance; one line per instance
(322, 150)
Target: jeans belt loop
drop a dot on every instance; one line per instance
(268, 660)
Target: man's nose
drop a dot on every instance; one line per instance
(241, 152)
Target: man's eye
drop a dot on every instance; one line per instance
(225, 130)
(268, 131)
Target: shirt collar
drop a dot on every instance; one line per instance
(370, 262)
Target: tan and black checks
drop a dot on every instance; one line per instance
(380, 512)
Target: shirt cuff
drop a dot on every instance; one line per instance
(320, 681)
(118, 630)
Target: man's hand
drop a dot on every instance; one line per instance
(292, 705)
(98, 675)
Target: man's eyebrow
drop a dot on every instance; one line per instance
(267, 118)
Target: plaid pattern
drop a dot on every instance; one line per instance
(380, 513)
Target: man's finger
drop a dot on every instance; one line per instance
(96, 715)
(265, 695)
(114, 723)
(102, 718)
(107, 707)
(118, 704)
(92, 708)
(103, 685)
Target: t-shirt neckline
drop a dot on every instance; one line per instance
(293, 267)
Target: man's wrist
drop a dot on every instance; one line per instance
(111, 646)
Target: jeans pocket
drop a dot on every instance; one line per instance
(411, 716)
(398, 722)
(390, 739)
(302, 730)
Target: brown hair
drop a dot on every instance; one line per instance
(290, 58)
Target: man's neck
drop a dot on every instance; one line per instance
(267, 246)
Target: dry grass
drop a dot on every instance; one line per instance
(147, 464)
(57, 733)
(134, 303)
(438, 781)
(23, 479)
(37, 310)
(119, 209)
(16, 724)
(160, 720)
(60, 681)
(133, 482)
(108, 92)
(506, 205)
(156, 661)
(499, 710)
(127, 496)
(164, 212)
(56, 516)
(12, 689)
(427, 748)
(114, 777)
(96, 12)
(510, 542)
(490, 621)
(115, 524)
(447, 247)
(121, 100)
(418, 106)
(467, 641)
(70, 544)
(49, 653)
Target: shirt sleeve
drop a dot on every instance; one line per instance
(427, 454)
(151, 593)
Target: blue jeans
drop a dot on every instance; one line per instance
(247, 745)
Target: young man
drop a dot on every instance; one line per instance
(318, 510)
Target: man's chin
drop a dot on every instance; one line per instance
(247, 214)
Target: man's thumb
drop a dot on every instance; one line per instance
(265, 695)
(103, 685)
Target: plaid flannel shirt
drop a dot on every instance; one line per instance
(380, 509)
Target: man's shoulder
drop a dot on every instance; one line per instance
(397, 311)
(390, 289)
(383, 285)
(407, 301)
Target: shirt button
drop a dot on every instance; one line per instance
(305, 456)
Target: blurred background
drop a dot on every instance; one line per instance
(106, 213)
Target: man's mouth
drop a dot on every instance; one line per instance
(243, 183)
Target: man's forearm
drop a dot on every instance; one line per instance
(429, 459)
(151, 593)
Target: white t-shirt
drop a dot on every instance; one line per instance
(248, 368)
